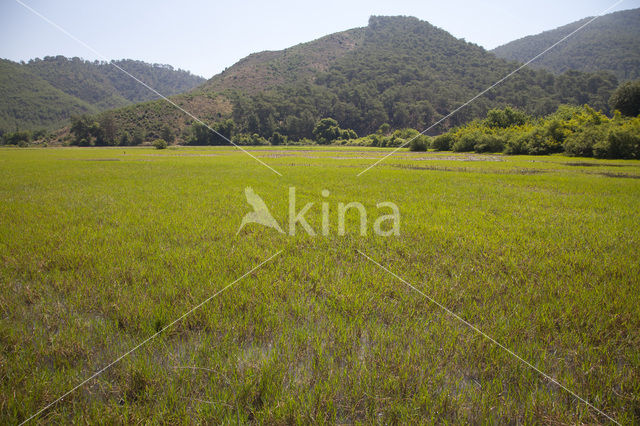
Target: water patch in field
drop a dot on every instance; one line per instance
(618, 175)
(92, 159)
(583, 164)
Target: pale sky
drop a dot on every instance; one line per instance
(205, 37)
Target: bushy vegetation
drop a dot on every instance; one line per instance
(100, 131)
(576, 131)
(160, 144)
(202, 135)
(626, 98)
(327, 131)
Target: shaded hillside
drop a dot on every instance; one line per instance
(95, 86)
(28, 101)
(611, 43)
(397, 70)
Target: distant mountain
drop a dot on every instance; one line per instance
(397, 70)
(28, 101)
(611, 43)
(47, 92)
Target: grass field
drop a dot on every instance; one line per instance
(102, 248)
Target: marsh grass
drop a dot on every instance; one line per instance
(97, 255)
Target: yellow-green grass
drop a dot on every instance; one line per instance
(102, 248)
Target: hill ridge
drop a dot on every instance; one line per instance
(610, 43)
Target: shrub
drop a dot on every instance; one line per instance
(443, 142)
(327, 130)
(507, 117)
(277, 139)
(418, 144)
(489, 143)
(20, 138)
(160, 144)
(581, 143)
(538, 142)
(466, 142)
(348, 134)
(619, 143)
(626, 98)
(516, 145)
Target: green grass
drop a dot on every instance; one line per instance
(97, 255)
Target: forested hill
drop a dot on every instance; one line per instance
(409, 73)
(27, 101)
(47, 92)
(397, 70)
(611, 42)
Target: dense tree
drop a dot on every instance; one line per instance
(626, 98)
(277, 139)
(138, 137)
(327, 130)
(167, 134)
(219, 134)
(107, 135)
(505, 118)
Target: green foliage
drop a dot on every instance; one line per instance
(503, 118)
(418, 144)
(466, 141)
(277, 139)
(160, 144)
(220, 133)
(20, 138)
(443, 142)
(490, 142)
(581, 143)
(167, 134)
(138, 137)
(578, 131)
(621, 142)
(125, 139)
(327, 131)
(626, 98)
(247, 139)
(84, 130)
(30, 102)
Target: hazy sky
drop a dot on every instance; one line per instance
(204, 37)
